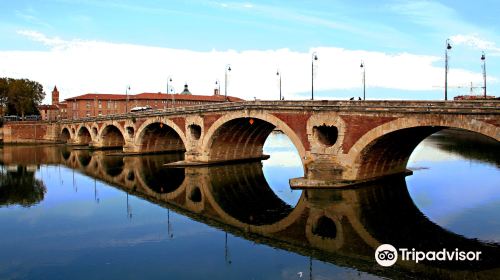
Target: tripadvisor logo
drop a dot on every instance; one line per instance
(387, 255)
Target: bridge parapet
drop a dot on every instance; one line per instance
(426, 107)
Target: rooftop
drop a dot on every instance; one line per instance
(153, 96)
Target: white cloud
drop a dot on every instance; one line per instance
(39, 37)
(475, 42)
(78, 67)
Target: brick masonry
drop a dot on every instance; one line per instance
(366, 145)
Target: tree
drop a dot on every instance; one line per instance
(20, 96)
(20, 187)
(4, 91)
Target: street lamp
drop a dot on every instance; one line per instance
(169, 80)
(169, 89)
(448, 47)
(228, 69)
(126, 99)
(362, 66)
(279, 75)
(483, 58)
(314, 58)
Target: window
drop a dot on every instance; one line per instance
(109, 104)
(100, 104)
(88, 104)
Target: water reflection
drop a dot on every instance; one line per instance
(340, 227)
(18, 186)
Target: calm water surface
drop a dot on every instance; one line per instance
(75, 214)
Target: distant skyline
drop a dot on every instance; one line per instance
(89, 46)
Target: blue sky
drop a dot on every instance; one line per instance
(257, 36)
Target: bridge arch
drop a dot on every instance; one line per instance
(386, 149)
(83, 135)
(112, 136)
(241, 135)
(160, 135)
(65, 135)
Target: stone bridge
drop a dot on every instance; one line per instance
(339, 142)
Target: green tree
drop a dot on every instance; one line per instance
(20, 96)
(20, 187)
(4, 91)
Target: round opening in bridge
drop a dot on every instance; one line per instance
(94, 131)
(325, 227)
(159, 137)
(195, 131)
(326, 134)
(130, 131)
(65, 136)
(256, 190)
(73, 130)
(112, 137)
(195, 195)
(84, 136)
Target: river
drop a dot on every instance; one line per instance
(71, 213)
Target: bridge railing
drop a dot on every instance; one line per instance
(377, 106)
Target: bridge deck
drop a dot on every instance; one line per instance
(405, 107)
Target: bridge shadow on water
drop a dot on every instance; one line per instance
(339, 226)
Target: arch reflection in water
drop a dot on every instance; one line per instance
(343, 227)
(243, 193)
(157, 177)
(455, 182)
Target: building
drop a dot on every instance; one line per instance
(55, 111)
(98, 104)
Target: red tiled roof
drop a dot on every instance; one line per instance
(190, 97)
(154, 96)
(90, 96)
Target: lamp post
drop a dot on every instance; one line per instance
(362, 66)
(448, 47)
(279, 75)
(169, 89)
(228, 69)
(126, 99)
(314, 58)
(483, 58)
(169, 80)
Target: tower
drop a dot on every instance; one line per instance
(55, 96)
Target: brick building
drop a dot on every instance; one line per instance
(98, 104)
(55, 111)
